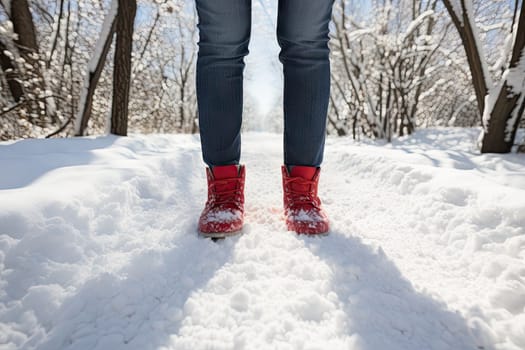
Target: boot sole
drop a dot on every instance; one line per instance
(310, 234)
(320, 234)
(219, 234)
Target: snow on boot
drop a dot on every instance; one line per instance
(223, 214)
(302, 206)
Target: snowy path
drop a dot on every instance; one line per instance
(98, 248)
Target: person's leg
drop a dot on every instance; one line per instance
(302, 34)
(224, 34)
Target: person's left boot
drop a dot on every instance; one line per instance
(302, 206)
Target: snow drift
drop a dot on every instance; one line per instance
(98, 248)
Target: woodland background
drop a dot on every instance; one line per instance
(396, 66)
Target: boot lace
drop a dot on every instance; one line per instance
(226, 196)
(300, 198)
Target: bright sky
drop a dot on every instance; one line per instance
(263, 72)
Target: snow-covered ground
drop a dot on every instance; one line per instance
(98, 248)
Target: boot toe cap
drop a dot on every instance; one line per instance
(309, 227)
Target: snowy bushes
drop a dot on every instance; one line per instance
(400, 64)
(395, 69)
(66, 33)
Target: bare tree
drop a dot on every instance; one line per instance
(381, 71)
(506, 102)
(122, 66)
(11, 74)
(163, 88)
(95, 67)
(26, 47)
(75, 55)
(504, 117)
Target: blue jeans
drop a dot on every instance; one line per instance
(224, 35)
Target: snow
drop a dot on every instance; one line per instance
(222, 216)
(305, 215)
(417, 22)
(104, 33)
(515, 79)
(99, 248)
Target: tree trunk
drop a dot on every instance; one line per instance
(24, 27)
(27, 46)
(11, 74)
(86, 104)
(122, 66)
(28, 49)
(498, 137)
(466, 33)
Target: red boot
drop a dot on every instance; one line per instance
(302, 206)
(223, 214)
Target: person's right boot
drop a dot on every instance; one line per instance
(223, 214)
(302, 206)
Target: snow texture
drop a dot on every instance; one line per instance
(305, 215)
(418, 22)
(99, 248)
(222, 216)
(515, 78)
(104, 33)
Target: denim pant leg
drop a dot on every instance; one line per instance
(302, 34)
(224, 35)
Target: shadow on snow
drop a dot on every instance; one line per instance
(382, 307)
